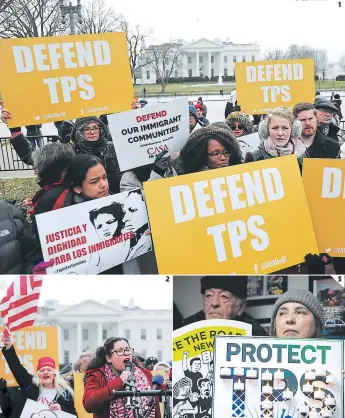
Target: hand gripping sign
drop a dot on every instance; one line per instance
(242, 219)
(256, 377)
(65, 77)
(34, 409)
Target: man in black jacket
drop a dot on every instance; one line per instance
(318, 145)
(325, 111)
(224, 297)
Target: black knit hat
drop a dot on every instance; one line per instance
(237, 285)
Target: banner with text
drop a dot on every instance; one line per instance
(31, 343)
(34, 409)
(78, 395)
(71, 76)
(324, 183)
(139, 135)
(243, 219)
(193, 364)
(94, 236)
(270, 377)
(263, 85)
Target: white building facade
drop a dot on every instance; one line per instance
(86, 326)
(206, 57)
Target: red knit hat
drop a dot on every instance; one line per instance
(198, 106)
(45, 362)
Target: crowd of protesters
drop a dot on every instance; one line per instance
(83, 165)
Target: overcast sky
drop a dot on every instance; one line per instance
(148, 292)
(271, 23)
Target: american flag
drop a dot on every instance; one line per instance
(19, 306)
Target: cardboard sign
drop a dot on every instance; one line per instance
(193, 364)
(256, 377)
(31, 343)
(263, 85)
(34, 409)
(65, 76)
(78, 396)
(245, 219)
(324, 183)
(139, 135)
(95, 236)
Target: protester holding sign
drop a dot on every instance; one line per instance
(207, 149)
(297, 314)
(45, 386)
(280, 134)
(106, 374)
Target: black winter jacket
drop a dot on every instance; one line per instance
(20, 249)
(31, 391)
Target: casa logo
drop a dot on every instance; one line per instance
(152, 152)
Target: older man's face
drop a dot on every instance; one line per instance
(221, 304)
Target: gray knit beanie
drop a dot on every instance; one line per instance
(305, 298)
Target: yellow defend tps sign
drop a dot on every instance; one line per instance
(324, 183)
(31, 343)
(264, 85)
(243, 219)
(64, 77)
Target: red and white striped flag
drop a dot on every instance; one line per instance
(19, 306)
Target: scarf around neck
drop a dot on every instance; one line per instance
(98, 147)
(117, 405)
(294, 146)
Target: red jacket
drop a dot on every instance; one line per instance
(98, 393)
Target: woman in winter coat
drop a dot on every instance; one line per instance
(208, 148)
(240, 124)
(46, 386)
(106, 374)
(280, 134)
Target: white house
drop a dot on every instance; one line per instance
(87, 325)
(206, 57)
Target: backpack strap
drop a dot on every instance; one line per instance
(61, 200)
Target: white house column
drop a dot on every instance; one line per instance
(185, 64)
(99, 334)
(221, 64)
(79, 339)
(209, 65)
(60, 337)
(197, 64)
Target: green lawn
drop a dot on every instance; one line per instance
(18, 188)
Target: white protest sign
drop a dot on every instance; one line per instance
(139, 135)
(34, 409)
(278, 377)
(248, 143)
(94, 236)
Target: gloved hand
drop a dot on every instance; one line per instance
(161, 163)
(315, 265)
(41, 267)
(3, 385)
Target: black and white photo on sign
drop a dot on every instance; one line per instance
(94, 236)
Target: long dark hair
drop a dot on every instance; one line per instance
(194, 154)
(77, 169)
(114, 209)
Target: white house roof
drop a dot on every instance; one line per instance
(203, 43)
(89, 307)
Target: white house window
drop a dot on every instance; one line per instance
(159, 333)
(143, 353)
(190, 73)
(66, 334)
(66, 357)
(85, 334)
(127, 334)
(225, 59)
(104, 334)
(201, 60)
(244, 58)
(212, 72)
(253, 57)
(225, 72)
(148, 75)
(212, 59)
(143, 334)
(159, 355)
(234, 58)
(189, 60)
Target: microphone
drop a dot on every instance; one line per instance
(130, 384)
(157, 383)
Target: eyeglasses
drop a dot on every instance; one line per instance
(218, 154)
(233, 127)
(89, 129)
(123, 351)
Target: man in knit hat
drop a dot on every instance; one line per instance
(325, 112)
(201, 118)
(224, 297)
(297, 314)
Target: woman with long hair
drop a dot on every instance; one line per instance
(45, 386)
(106, 374)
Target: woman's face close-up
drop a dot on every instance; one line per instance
(217, 155)
(91, 131)
(295, 320)
(120, 353)
(95, 184)
(279, 131)
(237, 129)
(106, 226)
(46, 375)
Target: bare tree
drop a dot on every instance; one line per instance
(98, 17)
(165, 59)
(25, 19)
(304, 51)
(274, 54)
(136, 42)
(4, 4)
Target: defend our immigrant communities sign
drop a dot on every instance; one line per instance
(65, 77)
(31, 343)
(324, 183)
(193, 366)
(242, 219)
(278, 377)
(139, 135)
(94, 236)
(264, 85)
(34, 409)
